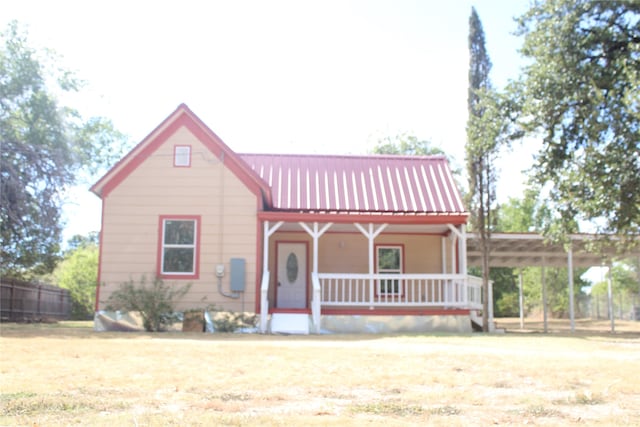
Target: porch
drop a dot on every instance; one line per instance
(448, 292)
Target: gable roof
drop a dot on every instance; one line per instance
(319, 184)
(182, 116)
(368, 184)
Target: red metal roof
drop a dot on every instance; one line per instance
(375, 183)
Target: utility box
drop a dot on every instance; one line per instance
(237, 274)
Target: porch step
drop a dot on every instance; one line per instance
(290, 323)
(476, 323)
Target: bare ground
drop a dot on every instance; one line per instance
(66, 374)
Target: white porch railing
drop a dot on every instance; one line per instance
(399, 290)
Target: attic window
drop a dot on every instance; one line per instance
(182, 156)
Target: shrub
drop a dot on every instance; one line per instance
(155, 303)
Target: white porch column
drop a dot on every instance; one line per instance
(572, 319)
(463, 250)
(371, 233)
(452, 237)
(462, 247)
(315, 235)
(265, 246)
(264, 287)
(443, 242)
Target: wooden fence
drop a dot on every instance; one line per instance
(23, 301)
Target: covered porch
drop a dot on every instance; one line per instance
(402, 267)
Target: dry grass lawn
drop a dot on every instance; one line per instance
(66, 374)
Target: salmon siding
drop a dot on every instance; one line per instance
(182, 204)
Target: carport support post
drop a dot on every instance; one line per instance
(570, 271)
(521, 299)
(610, 298)
(544, 297)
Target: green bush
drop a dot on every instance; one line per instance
(154, 302)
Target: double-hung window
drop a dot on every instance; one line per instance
(178, 249)
(389, 261)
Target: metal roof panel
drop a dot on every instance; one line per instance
(372, 183)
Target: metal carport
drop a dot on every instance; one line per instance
(534, 250)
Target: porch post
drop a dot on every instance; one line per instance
(315, 234)
(265, 245)
(463, 250)
(264, 287)
(443, 242)
(315, 304)
(462, 247)
(453, 253)
(371, 234)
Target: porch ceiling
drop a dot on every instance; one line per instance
(391, 228)
(528, 249)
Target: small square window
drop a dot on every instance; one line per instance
(182, 156)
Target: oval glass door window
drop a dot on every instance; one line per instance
(292, 267)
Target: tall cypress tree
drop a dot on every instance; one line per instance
(483, 132)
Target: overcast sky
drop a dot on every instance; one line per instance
(329, 76)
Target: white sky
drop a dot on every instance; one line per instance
(327, 76)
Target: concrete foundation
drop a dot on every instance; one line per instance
(356, 324)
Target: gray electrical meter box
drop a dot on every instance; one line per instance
(237, 274)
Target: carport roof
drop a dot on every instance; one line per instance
(531, 249)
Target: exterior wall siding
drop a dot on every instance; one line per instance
(227, 211)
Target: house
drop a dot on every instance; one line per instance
(308, 242)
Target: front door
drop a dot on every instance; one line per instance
(292, 275)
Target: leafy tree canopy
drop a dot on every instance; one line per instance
(45, 147)
(580, 93)
(407, 145)
(78, 272)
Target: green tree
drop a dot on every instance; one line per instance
(407, 145)
(410, 145)
(484, 128)
(624, 279)
(46, 146)
(580, 93)
(78, 272)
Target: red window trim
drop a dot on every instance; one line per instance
(196, 261)
(400, 294)
(175, 155)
